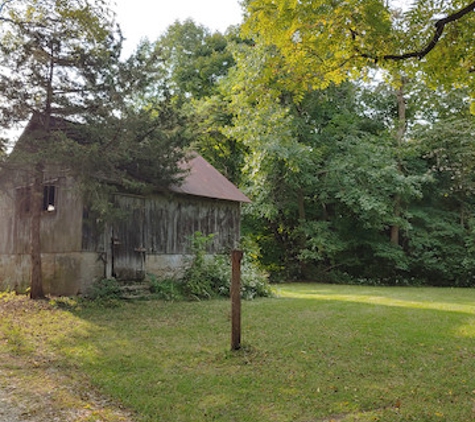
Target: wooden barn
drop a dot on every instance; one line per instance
(151, 237)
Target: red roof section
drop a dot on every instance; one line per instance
(204, 180)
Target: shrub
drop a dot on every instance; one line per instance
(196, 282)
(105, 290)
(167, 289)
(210, 276)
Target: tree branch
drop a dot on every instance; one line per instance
(3, 18)
(3, 4)
(439, 29)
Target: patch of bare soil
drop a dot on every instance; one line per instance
(39, 394)
(34, 389)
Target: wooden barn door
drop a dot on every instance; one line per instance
(128, 252)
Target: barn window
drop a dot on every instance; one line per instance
(49, 198)
(24, 199)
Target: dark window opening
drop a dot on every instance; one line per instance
(49, 198)
(25, 201)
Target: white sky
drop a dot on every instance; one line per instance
(150, 18)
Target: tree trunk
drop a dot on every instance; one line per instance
(36, 286)
(395, 228)
(401, 130)
(302, 238)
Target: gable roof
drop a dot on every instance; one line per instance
(204, 180)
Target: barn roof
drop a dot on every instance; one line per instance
(204, 180)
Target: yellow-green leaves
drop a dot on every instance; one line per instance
(324, 42)
(320, 41)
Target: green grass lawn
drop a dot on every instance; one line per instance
(313, 353)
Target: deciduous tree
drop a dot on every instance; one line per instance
(326, 42)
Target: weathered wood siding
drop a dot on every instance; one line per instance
(60, 229)
(7, 221)
(163, 224)
(171, 221)
(66, 269)
(160, 226)
(128, 252)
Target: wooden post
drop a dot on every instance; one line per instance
(236, 257)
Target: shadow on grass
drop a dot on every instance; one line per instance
(317, 353)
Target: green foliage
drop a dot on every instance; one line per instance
(209, 276)
(253, 281)
(195, 58)
(197, 280)
(71, 72)
(167, 289)
(330, 177)
(105, 291)
(189, 62)
(58, 69)
(320, 42)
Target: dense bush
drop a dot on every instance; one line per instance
(106, 291)
(167, 289)
(209, 276)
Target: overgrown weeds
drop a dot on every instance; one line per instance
(206, 276)
(209, 276)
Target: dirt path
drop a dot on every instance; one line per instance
(52, 398)
(9, 412)
(47, 396)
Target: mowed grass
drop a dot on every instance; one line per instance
(314, 353)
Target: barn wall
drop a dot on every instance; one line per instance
(61, 229)
(65, 269)
(64, 274)
(72, 273)
(14, 272)
(153, 236)
(163, 224)
(171, 221)
(166, 266)
(7, 219)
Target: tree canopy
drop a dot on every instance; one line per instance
(327, 42)
(343, 173)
